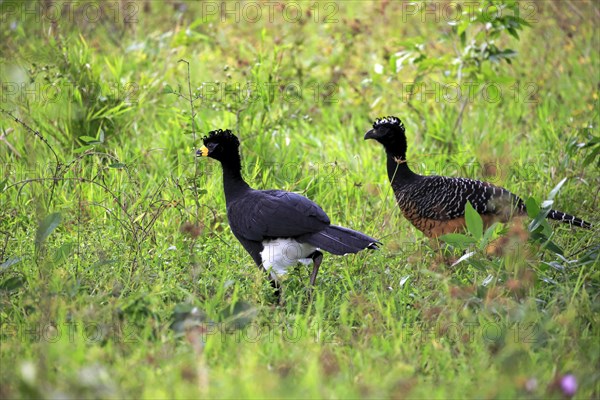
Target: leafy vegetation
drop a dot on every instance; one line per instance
(119, 276)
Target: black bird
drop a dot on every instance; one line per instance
(436, 204)
(277, 228)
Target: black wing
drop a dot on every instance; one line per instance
(275, 213)
(443, 198)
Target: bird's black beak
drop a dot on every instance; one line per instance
(370, 134)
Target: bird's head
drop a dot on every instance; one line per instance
(220, 145)
(390, 132)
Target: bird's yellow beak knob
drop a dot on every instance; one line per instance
(203, 151)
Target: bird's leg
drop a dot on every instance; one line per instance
(317, 257)
(276, 287)
(444, 253)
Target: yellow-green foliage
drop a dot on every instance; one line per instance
(111, 231)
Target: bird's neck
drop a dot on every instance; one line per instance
(233, 183)
(398, 170)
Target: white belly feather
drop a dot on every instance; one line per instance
(279, 254)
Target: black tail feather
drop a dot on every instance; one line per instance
(339, 240)
(569, 219)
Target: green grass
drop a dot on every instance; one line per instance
(90, 303)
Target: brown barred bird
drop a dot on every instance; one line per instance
(435, 205)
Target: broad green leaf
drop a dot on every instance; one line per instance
(63, 252)
(533, 209)
(119, 109)
(550, 245)
(458, 239)
(588, 159)
(547, 204)
(88, 139)
(83, 149)
(462, 27)
(508, 53)
(487, 235)
(139, 218)
(521, 21)
(46, 227)
(539, 219)
(474, 221)
(477, 264)
(433, 62)
(554, 191)
(393, 65)
(419, 59)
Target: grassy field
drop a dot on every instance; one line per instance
(119, 276)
